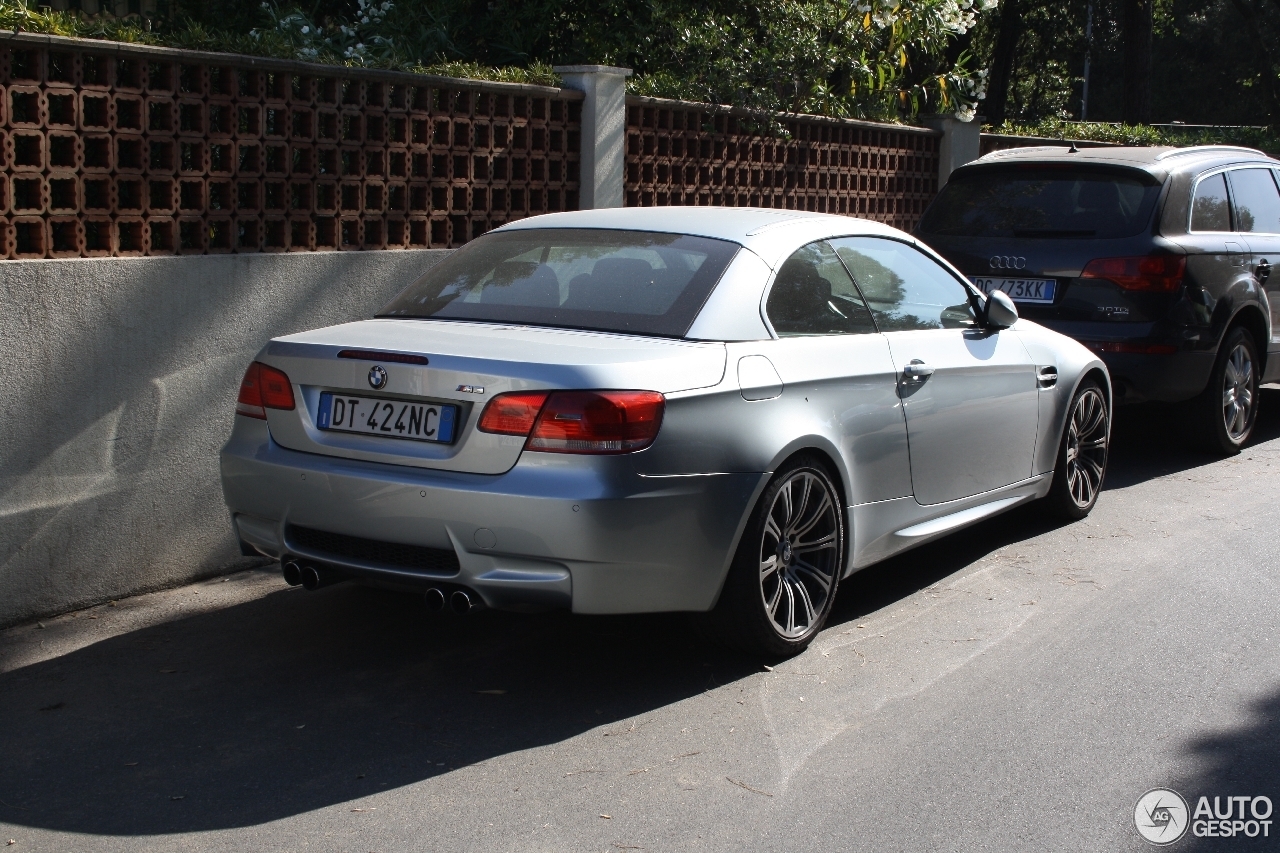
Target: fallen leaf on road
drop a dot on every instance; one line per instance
(641, 770)
(686, 755)
(179, 797)
(303, 726)
(10, 841)
(767, 667)
(132, 764)
(39, 624)
(607, 816)
(365, 810)
(491, 692)
(748, 787)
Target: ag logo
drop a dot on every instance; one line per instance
(377, 377)
(1161, 816)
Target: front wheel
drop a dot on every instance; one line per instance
(784, 575)
(1082, 455)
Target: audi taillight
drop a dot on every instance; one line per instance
(1151, 273)
(263, 388)
(578, 421)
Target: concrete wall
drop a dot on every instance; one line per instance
(119, 384)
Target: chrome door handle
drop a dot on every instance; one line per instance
(1047, 377)
(1263, 271)
(916, 371)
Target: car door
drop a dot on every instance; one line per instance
(969, 394)
(1257, 214)
(1216, 254)
(836, 368)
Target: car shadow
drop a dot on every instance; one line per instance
(1152, 439)
(296, 701)
(1243, 761)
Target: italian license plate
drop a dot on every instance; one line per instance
(387, 418)
(1019, 289)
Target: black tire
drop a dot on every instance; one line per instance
(777, 612)
(1225, 412)
(1082, 454)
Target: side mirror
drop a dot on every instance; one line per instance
(1001, 312)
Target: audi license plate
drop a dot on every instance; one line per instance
(1019, 289)
(388, 418)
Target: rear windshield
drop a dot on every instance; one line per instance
(635, 282)
(1042, 203)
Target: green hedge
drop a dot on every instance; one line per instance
(193, 36)
(1262, 138)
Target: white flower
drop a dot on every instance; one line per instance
(966, 113)
(306, 30)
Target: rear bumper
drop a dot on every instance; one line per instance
(1166, 378)
(1141, 377)
(569, 531)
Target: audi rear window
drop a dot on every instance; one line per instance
(1043, 202)
(634, 282)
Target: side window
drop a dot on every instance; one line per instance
(813, 295)
(1257, 202)
(905, 288)
(1210, 210)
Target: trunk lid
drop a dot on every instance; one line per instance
(492, 357)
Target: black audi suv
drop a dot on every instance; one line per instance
(1159, 259)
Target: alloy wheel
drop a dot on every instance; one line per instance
(799, 554)
(1087, 437)
(1238, 397)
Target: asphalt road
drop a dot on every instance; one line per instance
(1015, 687)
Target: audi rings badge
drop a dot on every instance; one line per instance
(1007, 262)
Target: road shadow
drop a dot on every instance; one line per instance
(1244, 761)
(1151, 440)
(296, 701)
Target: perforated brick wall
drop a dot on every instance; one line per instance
(689, 154)
(112, 150)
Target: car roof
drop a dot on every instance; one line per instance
(766, 231)
(1156, 159)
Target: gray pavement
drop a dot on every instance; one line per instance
(1015, 687)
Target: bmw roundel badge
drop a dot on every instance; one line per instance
(377, 377)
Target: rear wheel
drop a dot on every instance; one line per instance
(1228, 408)
(784, 575)
(1082, 455)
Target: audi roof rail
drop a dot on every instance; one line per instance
(1208, 149)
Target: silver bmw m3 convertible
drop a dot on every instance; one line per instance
(723, 411)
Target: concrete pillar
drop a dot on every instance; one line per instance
(960, 143)
(604, 132)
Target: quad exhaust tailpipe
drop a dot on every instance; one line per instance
(314, 578)
(292, 572)
(435, 599)
(465, 602)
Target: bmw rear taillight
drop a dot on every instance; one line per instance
(512, 414)
(578, 421)
(1151, 273)
(263, 388)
